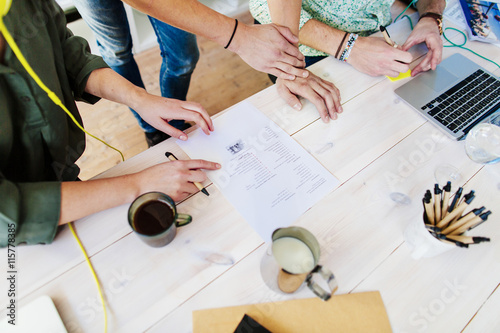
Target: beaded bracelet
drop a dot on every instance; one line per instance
(347, 51)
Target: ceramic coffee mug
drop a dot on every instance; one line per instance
(154, 218)
(297, 253)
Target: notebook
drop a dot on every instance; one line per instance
(40, 316)
(455, 97)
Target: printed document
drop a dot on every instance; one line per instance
(266, 175)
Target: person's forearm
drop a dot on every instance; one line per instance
(268, 48)
(79, 199)
(107, 84)
(189, 15)
(433, 6)
(321, 36)
(286, 13)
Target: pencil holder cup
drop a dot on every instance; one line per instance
(421, 242)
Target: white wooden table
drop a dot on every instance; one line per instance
(381, 150)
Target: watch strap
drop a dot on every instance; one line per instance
(435, 16)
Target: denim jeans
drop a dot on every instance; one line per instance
(178, 49)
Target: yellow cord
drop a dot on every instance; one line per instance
(4, 7)
(93, 274)
(35, 77)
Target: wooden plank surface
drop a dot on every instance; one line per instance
(385, 155)
(486, 319)
(359, 227)
(447, 290)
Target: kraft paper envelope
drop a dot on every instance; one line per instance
(361, 312)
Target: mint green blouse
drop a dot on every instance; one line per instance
(360, 16)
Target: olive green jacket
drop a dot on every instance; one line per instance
(39, 144)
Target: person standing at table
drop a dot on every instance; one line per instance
(178, 49)
(341, 28)
(39, 143)
(270, 48)
(267, 48)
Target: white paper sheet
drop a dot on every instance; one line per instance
(266, 175)
(453, 12)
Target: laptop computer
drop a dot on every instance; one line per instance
(455, 97)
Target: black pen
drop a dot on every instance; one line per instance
(455, 199)
(467, 198)
(198, 185)
(387, 38)
(429, 210)
(437, 203)
(483, 217)
(454, 230)
(452, 226)
(468, 239)
(432, 228)
(446, 198)
(457, 243)
(457, 212)
(445, 239)
(470, 215)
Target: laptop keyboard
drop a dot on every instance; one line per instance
(467, 103)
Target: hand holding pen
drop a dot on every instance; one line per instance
(392, 63)
(175, 179)
(198, 185)
(387, 38)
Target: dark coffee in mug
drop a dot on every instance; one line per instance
(153, 217)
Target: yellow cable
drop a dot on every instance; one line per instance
(93, 274)
(50, 93)
(4, 7)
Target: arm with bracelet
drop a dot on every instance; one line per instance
(267, 48)
(324, 24)
(341, 29)
(322, 93)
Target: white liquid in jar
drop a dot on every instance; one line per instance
(293, 255)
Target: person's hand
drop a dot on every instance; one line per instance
(323, 94)
(373, 56)
(269, 48)
(158, 111)
(174, 178)
(426, 31)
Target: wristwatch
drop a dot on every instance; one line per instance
(437, 17)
